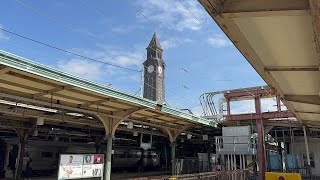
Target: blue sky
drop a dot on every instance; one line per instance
(199, 58)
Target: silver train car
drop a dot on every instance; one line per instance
(45, 156)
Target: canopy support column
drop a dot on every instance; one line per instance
(173, 135)
(23, 135)
(261, 146)
(173, 156)
(307, 148)
(110, 124)
(209, 156)
(107, 165)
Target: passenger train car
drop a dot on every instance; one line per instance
(45, 155)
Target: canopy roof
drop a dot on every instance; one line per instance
(280, 39)
(46, 89)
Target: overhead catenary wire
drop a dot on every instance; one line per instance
(216, 39)
(219, 42)
(155, 24)
(63, 50)
(135, 9)
(60, 22)
(69, 27)
(152, 22)
(66, 51)
(64, 24)
(102, 14)
(173, 93)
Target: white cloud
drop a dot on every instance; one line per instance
(242, 107)
(171, 43)
(198, 111)
(247, 106)
(83, 68)
(174, 14)
(218, 41)
(268, 105)
(132, 59)
(2, 35)
(120, 29)
(96, 71)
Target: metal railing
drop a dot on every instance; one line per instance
(236, 145)
(217, 175)
(193, 165)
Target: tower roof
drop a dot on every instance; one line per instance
(155, 42)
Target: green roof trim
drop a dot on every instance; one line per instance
(32, 67)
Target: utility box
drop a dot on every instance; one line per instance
(236, 140)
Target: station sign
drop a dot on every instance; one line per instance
(76, 166)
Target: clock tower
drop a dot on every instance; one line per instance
(154, 71)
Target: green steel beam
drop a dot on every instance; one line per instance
(32, 67)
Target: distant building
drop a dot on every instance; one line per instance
(154, 68)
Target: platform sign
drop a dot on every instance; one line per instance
(92, 166)
(75, 166)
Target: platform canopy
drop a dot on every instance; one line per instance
(31, 90)
(280, 39)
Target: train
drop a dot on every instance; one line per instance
(45, 156)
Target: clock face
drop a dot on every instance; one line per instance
(160, 69)
(150, 69)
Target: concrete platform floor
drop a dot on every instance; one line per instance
(114, 176)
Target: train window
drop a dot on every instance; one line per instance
(122, 156)
(136, 156)
(46, 154)
(129, 155)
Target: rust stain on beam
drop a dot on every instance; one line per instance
(265, 13)
(54, 90)
(315, 12)
(98, 102)
(252, 93)
(266, 115)
(283, 68)
(4, 70)
(308, 99)
(257, 8)
(15, 74)
(308, 112)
